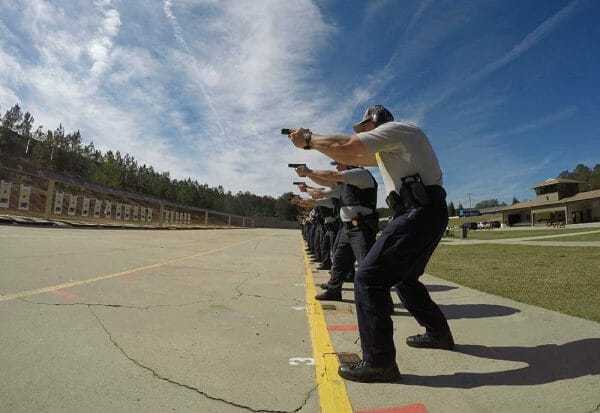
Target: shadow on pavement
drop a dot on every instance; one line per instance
(434, 288)
(545, 364)
(460, 311)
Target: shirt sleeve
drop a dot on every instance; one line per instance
(333, 192)
(388, 137)
(358, 177)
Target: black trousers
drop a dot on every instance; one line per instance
(397, 259)
(311, 238)
(326, 241)
(318, 234)
(353, 244)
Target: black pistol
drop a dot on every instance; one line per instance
(295, 165)
(298, 183)
(285, 131)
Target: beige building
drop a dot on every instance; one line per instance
(558, 201)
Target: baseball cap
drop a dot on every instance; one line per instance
(377, 114)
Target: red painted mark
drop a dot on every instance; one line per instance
(65, 294)
(411, 408)
(343, 327)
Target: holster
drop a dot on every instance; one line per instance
(413, 194)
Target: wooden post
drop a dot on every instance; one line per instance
(161, 215)
(49, 196)
(531, 216)
(229, 222)
(205, 217)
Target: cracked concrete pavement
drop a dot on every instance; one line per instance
(210, 333)
(213, 320)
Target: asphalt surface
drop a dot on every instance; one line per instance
(215, 321)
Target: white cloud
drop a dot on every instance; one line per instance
(100, 46)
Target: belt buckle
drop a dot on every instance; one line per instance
(354, 223)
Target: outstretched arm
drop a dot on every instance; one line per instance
(348, 150)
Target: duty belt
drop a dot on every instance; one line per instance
(405, 201)
(355, 222)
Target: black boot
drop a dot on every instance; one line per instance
(370, 373)
(329, 296)
(428, 340)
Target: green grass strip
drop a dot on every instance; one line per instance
(583, 237)
(563, 279)
(499, 234)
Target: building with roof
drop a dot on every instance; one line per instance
(558, 202)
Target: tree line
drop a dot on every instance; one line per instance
(64, 152)
(590, 177)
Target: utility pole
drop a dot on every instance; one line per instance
(470, 211)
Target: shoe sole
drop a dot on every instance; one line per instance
(431, 347)
(374, 380)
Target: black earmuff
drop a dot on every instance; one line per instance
(380, 115)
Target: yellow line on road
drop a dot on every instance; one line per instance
(332, 390)
(29, 293)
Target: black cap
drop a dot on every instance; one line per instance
(377, 114)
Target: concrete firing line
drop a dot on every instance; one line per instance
(188, 387)
(22, 294)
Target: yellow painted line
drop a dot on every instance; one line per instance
(332, 390)
(29, 293)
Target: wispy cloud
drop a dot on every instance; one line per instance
(486, 166)
(533, 38)
(374, 7)
(176, 28)
(534, 125)
(529, 41)
(416, 17)
(100, 46)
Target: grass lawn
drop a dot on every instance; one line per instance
(498, 234)
(561, 279)
(583, 237)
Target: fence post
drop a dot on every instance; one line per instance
(49, 195)
(161, 215)
(205, 217)
(243, 222)
(229, 222)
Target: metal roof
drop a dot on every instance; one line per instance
(554, 181)
(582, 196)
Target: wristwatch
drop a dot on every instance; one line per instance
(307, 138)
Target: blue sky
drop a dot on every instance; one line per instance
(507, 91)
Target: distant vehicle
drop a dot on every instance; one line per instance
(470, 225)
(468, 213)
(489, 225)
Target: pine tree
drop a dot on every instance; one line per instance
(451, 209)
